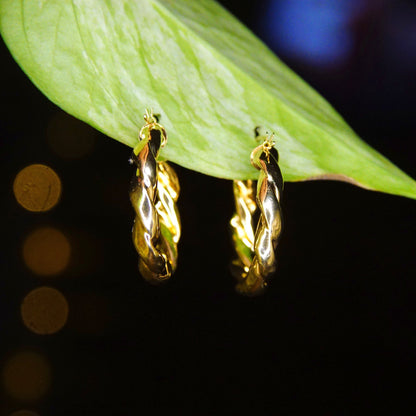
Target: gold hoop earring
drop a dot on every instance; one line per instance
(154, 192)
(256, 260)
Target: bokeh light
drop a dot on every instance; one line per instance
(46, 251)
(26, 376)
(314, 31)
(69, 137)
(44, 310)
(37, 188)
(24, 413)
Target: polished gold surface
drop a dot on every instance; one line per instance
(256, 260)
(154, 192)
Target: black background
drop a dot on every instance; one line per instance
(335, 332)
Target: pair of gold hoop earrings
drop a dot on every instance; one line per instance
(156, 231)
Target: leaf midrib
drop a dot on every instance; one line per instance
(331, 115)
(291, 107)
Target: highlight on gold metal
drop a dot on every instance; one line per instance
(256, 260)
(153, 194)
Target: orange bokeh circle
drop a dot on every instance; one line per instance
(46, 251)
(44, 310)
(37, 188)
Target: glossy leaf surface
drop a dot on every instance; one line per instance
(210, 78)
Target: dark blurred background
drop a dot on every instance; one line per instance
(83, 334)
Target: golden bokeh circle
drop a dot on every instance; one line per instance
(24, 413)
(37, 188)
(46, 251)
(26, 376)
(44, 310)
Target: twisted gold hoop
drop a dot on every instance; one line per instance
(256, 250)
(153, 194)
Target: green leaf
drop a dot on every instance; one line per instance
(210, 78)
